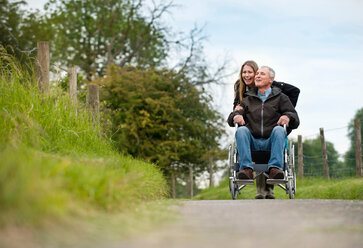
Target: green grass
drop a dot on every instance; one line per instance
(308, 188)
(56, 166)
(319, 188)
(45, 122)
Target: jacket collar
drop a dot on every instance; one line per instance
(275, 91)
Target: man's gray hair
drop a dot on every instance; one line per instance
(272, 72)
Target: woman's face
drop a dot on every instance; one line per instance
(248, 75)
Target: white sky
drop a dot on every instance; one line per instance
(317, 45)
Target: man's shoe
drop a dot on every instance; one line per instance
(259, 196)
(276, 173)
(246, 173)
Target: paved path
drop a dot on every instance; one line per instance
(260, 223)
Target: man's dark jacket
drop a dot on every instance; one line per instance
(261, 117)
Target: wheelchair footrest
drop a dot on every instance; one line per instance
(276, 181)
(245, 181)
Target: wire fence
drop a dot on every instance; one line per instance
(333, 173)
(314, 167)
(338, 165)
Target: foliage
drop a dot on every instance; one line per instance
(92, 34)
(10, 21)
(159, 116)
(182, 188)
(350, 154)
(308, 188)
(20, 29)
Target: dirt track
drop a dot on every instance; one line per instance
(260, 223)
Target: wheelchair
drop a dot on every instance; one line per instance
(260, 164)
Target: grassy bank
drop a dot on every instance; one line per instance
(56, 166)
(308, 188)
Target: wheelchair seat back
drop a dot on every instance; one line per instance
(260, 160)
(260, 157)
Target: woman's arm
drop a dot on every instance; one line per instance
(291, 91)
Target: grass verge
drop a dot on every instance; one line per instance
(308, 188)
(60, 178)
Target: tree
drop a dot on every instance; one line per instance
(159, 116)
(11, 19)
(350, 154)
(20, 29)
(92, 34)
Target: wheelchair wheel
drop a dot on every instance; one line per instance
(293, 166)
(291, 184)
(232, 189)
(290, 189)
(232, 186)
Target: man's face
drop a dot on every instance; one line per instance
(262, 78)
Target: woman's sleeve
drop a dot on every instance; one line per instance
(291, 91)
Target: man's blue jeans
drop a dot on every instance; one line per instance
(275, 143)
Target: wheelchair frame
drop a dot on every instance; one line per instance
(288, 183)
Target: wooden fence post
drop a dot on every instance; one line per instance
(325, 155)
(173, 184)
(43, 66)
(211, 183)
(93, 102)
(358, 147)
(73, 85)
(191, 180)
(300, 157)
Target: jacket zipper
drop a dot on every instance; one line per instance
(262, 119)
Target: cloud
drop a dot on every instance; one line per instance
(333, 11)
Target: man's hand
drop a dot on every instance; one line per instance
(239, 120)
(283, 120)
(238, 107)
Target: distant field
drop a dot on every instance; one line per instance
(309, 188)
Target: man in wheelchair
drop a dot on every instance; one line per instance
(264, 111)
